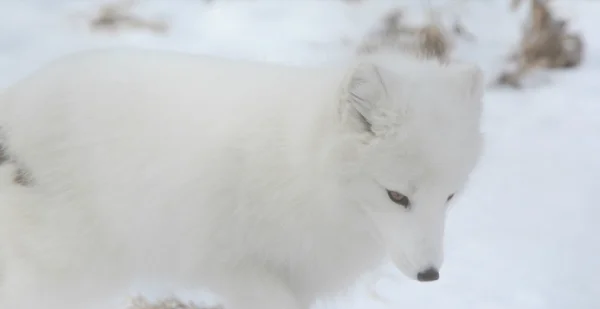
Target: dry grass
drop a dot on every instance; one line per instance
(118, 15)
(546, 43)
(169, 303)
(514, 4)
(429, 40)
(461, 31)
(432, 40)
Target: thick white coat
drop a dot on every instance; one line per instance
(265, 183)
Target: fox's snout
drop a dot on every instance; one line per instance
(429, 274)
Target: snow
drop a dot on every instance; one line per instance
(523, 236)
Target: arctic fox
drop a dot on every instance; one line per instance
(271, 185)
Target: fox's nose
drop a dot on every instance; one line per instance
(429, 274)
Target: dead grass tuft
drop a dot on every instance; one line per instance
(432, 40)
(514, 4)
(118, 15)
(428, 41)
(168, 303)
(546, 43)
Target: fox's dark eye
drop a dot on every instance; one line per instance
(450, 197)
(399, 198)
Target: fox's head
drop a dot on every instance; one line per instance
(417, 127)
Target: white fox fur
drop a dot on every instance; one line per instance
(265, 183)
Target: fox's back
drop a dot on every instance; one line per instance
(150, 140)
(135, 110)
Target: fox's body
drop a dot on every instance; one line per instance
(264, 183)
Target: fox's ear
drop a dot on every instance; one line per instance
(366, 96)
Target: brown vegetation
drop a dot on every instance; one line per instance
(168, 303)
(431, 40)
(117, 15)
(546, 43)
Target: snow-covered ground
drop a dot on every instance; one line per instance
(526, 234)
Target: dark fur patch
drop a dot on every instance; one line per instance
(23, 176)
(3, 155)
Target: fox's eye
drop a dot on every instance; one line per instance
(399, 198)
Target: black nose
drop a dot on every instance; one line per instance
(430, 274)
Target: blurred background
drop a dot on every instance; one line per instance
(525, 234)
